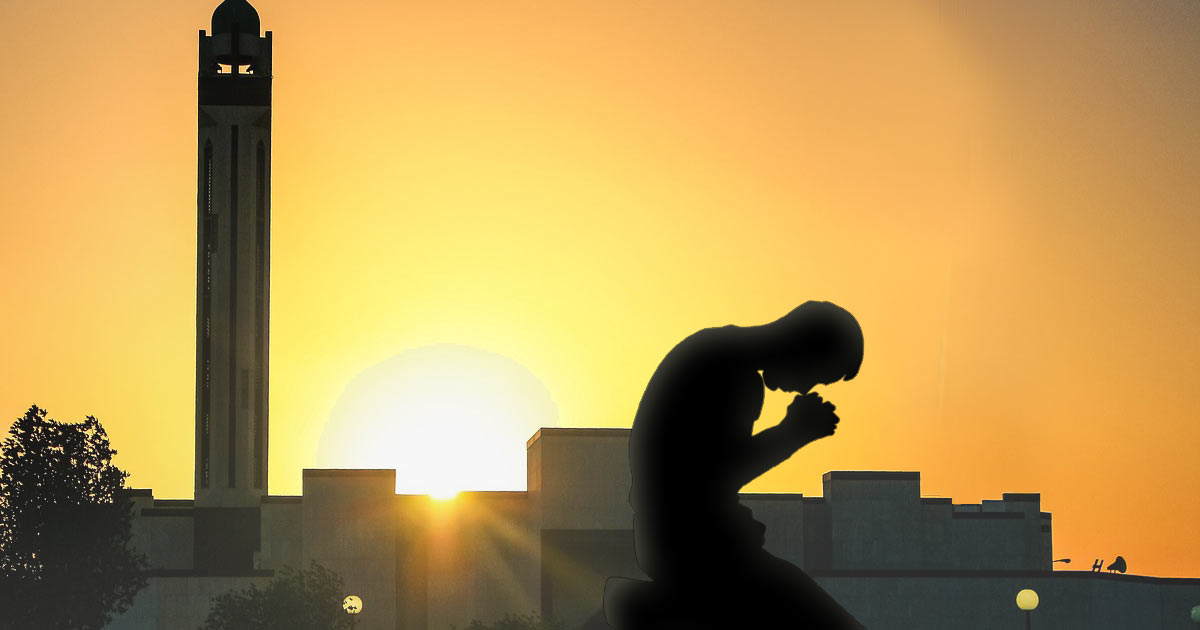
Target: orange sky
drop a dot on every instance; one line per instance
(1004, 193)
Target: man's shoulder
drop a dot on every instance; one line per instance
(710, 351)
(717, 340)
(715, 332)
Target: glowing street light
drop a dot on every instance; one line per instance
(1027, 600)
(353, 606)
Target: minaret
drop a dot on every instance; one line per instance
(233, 287)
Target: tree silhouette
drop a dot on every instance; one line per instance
(308, 599)
(65, 527)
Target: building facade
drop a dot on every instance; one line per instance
(892, 557)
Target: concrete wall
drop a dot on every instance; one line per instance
(1037, 534)
(937, 534)
(988, 540)
(580, 479)
(413, 531)
(580, 516)
(282, 541)
(177, 602)
(818, 535)
(1067, 600)
(576, 563)
(349, 526)
(879, 521)
(783, 515)
(480, 551)
(162, 530)
(875, 519)
(166, 540)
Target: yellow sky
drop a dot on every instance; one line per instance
(1004, 193)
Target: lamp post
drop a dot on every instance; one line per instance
(353, 605)
(1027, 600)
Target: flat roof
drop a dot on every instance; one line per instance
(986, 574)
(281, 498)
(177, 503)
(349, 472)
(771, 496)
(871, 475)
(606, 432)
(988, 515)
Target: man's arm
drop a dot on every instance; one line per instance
(808, 418)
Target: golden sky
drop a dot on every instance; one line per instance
(1004, 193)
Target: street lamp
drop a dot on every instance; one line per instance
(1027, 600)
(353, 606)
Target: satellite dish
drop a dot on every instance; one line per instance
(1118, 565)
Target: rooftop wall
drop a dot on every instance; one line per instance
(349, 526)
(481, 553)
(783, 516)
(875, 519)
(987, 600)
(282, 541)
(580, 479)
(163, 530)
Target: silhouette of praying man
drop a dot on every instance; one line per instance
(692, 449)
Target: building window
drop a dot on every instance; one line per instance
(260, 316)
(208, 246)
(207, 183)
(231, 454)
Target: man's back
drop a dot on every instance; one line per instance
(691, 427)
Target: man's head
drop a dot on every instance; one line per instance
(817, 343)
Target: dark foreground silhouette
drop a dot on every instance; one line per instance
(691, 451)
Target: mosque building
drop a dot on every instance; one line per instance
(893, 558)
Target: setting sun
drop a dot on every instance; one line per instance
(446, 417)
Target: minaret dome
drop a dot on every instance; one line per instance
(235, 30)
(237, 14)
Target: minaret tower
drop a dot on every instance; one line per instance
(233, 288)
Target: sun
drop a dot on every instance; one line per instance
(447, 418)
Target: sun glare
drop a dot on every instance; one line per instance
(447, 418)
